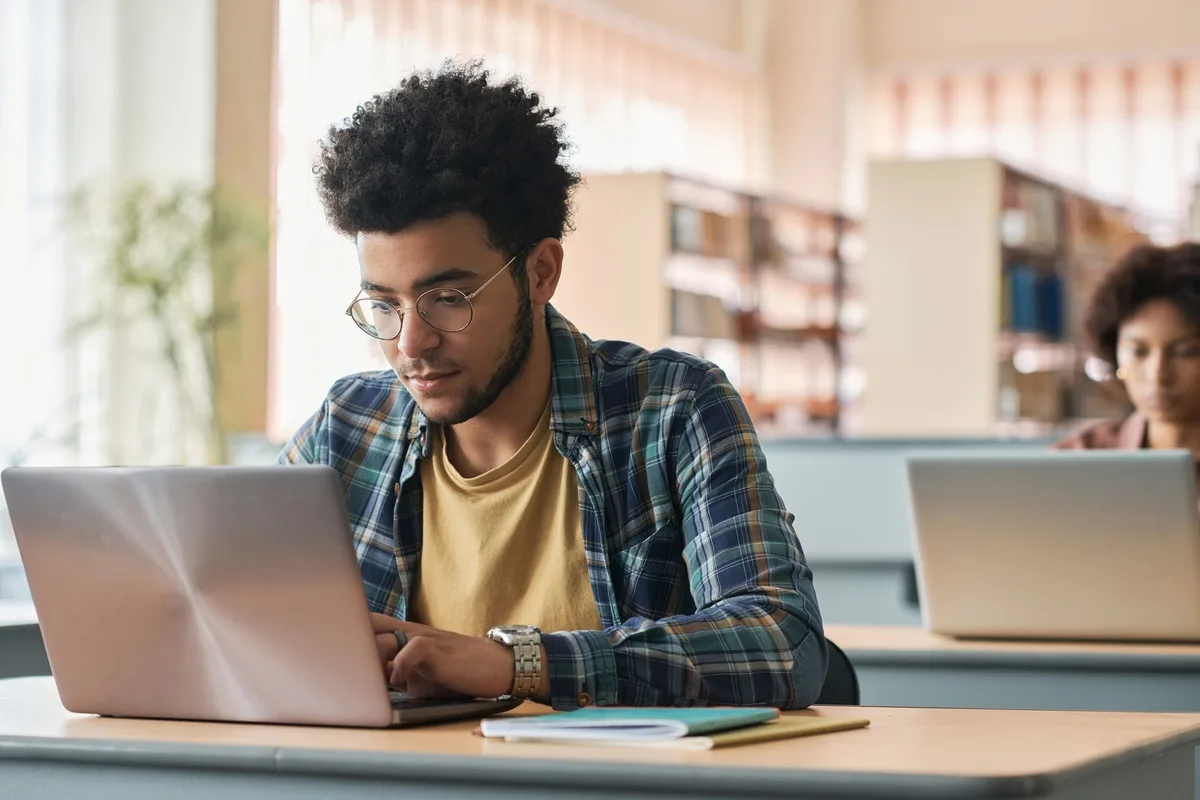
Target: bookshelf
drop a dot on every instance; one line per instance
(978, 281)
(754, 284)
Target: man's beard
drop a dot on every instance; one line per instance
(477, 401)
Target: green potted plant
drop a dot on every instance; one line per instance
(166, 260)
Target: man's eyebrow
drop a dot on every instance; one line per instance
(445, 276)
(428, 282)
(367, 286)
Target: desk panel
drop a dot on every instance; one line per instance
(908, 666)
(21, 650)
(905, 753)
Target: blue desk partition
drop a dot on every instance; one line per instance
(850, 498)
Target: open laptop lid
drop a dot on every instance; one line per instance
(219, 593)
(1071, 545)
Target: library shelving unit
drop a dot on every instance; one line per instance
(978, 279)
(751, 283)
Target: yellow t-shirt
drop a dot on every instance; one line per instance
(505, 547)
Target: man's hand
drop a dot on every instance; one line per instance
(436, 663)
(388, 646)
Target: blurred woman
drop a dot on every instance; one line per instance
(1145, 322)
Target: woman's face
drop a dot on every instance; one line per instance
(1158, 359)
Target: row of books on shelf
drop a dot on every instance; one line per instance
(784, 232)
(1056, 396)
(1043, 217)
(1032, 301)
(802, 243)
(1030, 213)
(708, 233)
(702, 316)
(1099, 229)
(706, 316)
(782, 381)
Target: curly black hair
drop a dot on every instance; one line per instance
(448, 142)
(1147, 272)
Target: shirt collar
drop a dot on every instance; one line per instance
(572, 385)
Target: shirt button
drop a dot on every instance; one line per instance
(589, 425)
(396, 489)
(583, 699)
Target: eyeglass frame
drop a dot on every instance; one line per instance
(401, 312)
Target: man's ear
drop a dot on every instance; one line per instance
(543, 267)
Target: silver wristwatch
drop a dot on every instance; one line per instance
(526, 644)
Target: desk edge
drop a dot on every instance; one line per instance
(695, 780)
(1099, 662)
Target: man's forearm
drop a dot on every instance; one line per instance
(722, 655)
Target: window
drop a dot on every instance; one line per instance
(631, 101)
(1124, 133)
(34, 365)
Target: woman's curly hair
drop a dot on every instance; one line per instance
(1146, 273)
(448, 142)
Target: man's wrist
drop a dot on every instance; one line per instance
(528, 658)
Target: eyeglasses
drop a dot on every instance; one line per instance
(446, 310)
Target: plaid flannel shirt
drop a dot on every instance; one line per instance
(698, 575)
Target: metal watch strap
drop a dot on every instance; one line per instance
(527, 666)
(526, 645)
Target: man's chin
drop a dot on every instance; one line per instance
(441, 412)
(456, 410)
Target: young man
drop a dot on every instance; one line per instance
(536, 513)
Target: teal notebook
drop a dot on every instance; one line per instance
(626, 724)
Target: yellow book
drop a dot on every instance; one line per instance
(781, 728)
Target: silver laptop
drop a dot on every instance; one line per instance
(209, 593)
(1088, 545)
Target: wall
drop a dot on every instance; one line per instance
(138, 105)
(713, 23)
(244, 136)
(811, 67)
(903, 33)
(807, 51)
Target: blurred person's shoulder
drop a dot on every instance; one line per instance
(1109, 434)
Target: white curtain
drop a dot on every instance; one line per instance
(36, 397)
(1127, 133)
(631, 100)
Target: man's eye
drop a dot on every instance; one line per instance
(449, 299)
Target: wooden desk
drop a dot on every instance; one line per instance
(21, 649)
(902, 666)
(905, 753)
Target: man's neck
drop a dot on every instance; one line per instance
(1168, 436)
(491, 438)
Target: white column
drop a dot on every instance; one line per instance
(812, 68)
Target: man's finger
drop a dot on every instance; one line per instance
(385, 624)
(387, 645)
(414, 656)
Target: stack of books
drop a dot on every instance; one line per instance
(684, 728)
